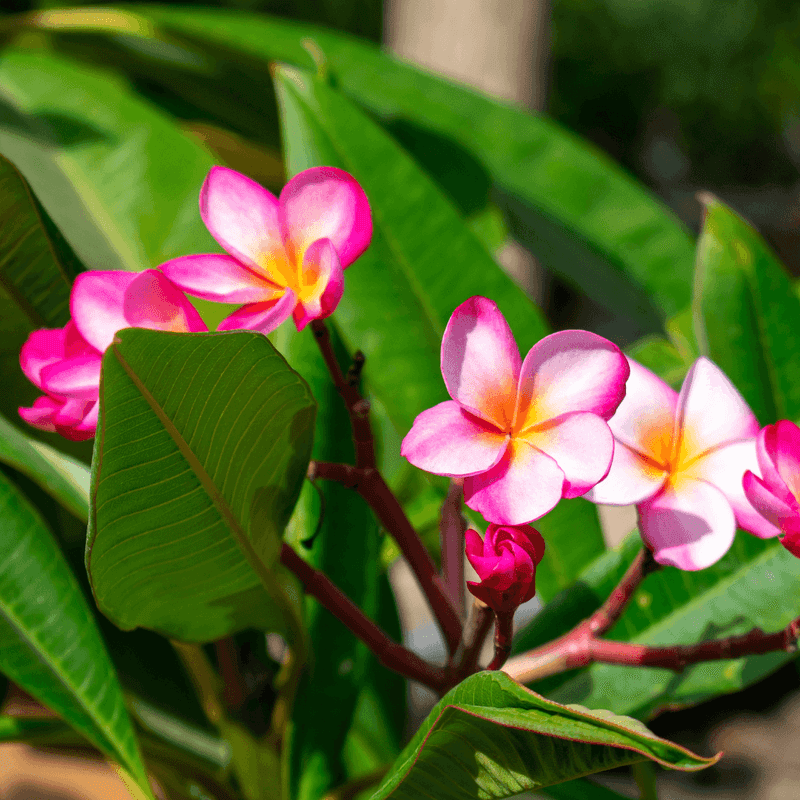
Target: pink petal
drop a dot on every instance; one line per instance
(77, 377)
(325, 203)
(689, 525)
(523, 486)
(711, 411)
(631, 479)
(242, 216)
(103, 303)
(221, 279)
(581, 444)
(772, 508)
(89, 423)
(480, 361)
(570, 371)
(71, 413)
(724, 467)
(784, 449)
(42, 348)
(321, 283)
(446, 440)
(645, 419)
(766, 443)
(792, 542)
(42, 412)
(261, 317)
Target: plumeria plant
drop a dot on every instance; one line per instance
(215, 450)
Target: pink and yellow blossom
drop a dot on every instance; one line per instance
(776, 495)
(285, 255)
(522, 434)
(680, 459)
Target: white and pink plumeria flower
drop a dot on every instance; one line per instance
(286, 255)
(680, 459)
(776, 495)
(65, 362)
(522, 434)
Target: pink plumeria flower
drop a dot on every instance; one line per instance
(521, 434)
(776, 496)
(506, 565)
(65, 363)
(680, 459)
(287, 255)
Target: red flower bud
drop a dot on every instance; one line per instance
(506, 564)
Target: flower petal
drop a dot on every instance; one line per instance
(689, 525)
(446, 440)
(631, 479)
(242, 216)
(321, 283)
(784, 449)
(711, 411)
(261, 317)
(645, 419)
(766, 443)
(103, 303)
(480, 361)
(77, 377)
(772, 508)
(570, 371)
(42, 348)
(325, 203)
(724, 467)
(581, 444)
(221, 279)
(42, 412)
(524, 485)
(88, 424)
(792, 542)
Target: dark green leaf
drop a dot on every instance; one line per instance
(581, 789)
(492, 738)
(49, 644)
(202, 445)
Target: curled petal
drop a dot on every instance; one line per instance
(261, 317)
(42, 413)
(724, 467)
(321, 283)
(71, 413)
(570, 371)
(774, 509)
(446, 440)
(221, 279)
(711, 411)
(766, 442)
(632, 479)
(689, 525)
(242, 216)
(792, 541)
(480, 361)
(524, 485)
(77, 377)
(581, 444)
(88, 425)
(782, 442)
(325, 203)
(42, 348)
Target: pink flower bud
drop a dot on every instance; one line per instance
(506, 564)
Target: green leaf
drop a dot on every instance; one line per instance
(662, 357)
(582, 789)
(64, 478)
(746, 313)
(201, 449)
(423, 260)
(492, 738)
(49, 644)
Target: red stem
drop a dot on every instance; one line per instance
(503, 636)
(452, 527)
(389, 653)
(370, 485)
(476, 628)
(235, 691)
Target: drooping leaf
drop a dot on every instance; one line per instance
(489, 737)
(49, 644)
(747, 313)
(202, 445)
(423, 260)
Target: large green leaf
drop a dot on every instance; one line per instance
(201, 449)
(492, 738)
(49, 643)
(747, 313)
(578, 210)
(423, 260)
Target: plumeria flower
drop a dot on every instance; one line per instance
(65, 362)
(680, 459)
(776, 496)
(521, 434)
(286, 255)
(506, 565)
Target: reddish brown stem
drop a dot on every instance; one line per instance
(452, 527)
(503, 636)
(357, 406)
(389, 653)
(235, 690)
(370, 485)
(475, 631)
